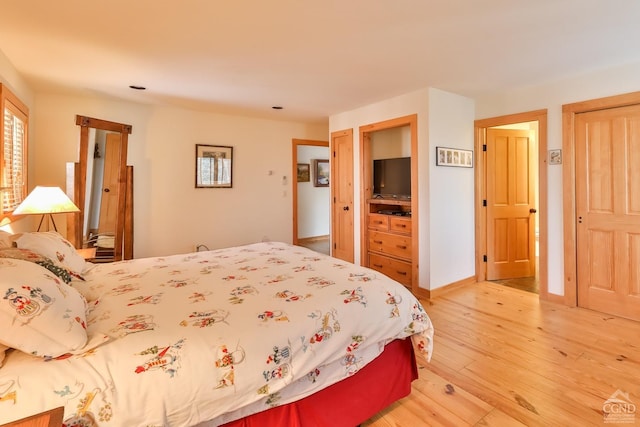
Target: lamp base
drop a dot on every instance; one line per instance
(52, 221)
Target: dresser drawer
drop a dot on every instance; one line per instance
(400, 224)
(378, 222)
(399, 271)
(390, 244)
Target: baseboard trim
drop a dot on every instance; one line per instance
(450, 287)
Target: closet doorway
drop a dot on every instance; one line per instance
(311, 202)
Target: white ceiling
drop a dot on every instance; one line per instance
(314, 58)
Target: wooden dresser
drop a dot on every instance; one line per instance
(389, 240)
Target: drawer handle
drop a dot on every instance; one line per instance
(401, 247)
(379, 242)
(404, 273)
(402, 225)
(377, 265)
(378, 222)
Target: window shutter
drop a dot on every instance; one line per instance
(13, 157)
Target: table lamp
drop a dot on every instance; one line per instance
(46, 201)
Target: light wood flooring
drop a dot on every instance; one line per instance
(318, 244)
(503, 358)
(529, 284)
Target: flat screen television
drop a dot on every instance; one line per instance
(392, 177)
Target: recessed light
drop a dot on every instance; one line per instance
(277, 107)
(136, 87)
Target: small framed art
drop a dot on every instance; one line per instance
(454, 157)
(321, 173)
(304, 172)
(555, 157)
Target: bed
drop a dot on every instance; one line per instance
(261, 334)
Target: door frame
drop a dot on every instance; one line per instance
(294, 179)
(569, 112)
(480, 132)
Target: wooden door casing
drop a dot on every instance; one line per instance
(295, 144)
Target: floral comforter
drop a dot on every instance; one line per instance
(214, 336)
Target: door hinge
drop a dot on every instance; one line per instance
(484, 203)
(484, 258)
(484, 147)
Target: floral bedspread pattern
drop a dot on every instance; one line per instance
(216, 336)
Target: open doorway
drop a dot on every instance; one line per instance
(511, 201)
(311, 199)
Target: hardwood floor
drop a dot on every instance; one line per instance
(318, 244)
(503, 358)
(529, 284)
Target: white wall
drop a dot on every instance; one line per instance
(552, 96)
(314, 207)
(451, 117)
(170, 215)
(451, 190)
(391, 143)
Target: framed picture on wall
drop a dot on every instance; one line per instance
(304, 172)
(454, 157)
(321, 173)
(555, 157)
(213, 166)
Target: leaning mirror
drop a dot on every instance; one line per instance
(101, 184)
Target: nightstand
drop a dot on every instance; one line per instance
(52, 418)
(87, 253)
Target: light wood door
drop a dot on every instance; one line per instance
(110, 185)
(608, 210)
(511, 204)
(342, 195)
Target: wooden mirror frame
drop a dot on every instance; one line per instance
(77, 186)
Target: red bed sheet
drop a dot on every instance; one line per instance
(351, 401)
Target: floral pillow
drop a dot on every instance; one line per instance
(53, 246)
(39, 313)
(27, 255)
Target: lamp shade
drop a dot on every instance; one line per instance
(46, 200)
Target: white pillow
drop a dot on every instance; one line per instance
(39, 313)
(3, 348)
(5, 239)
(55, 247)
